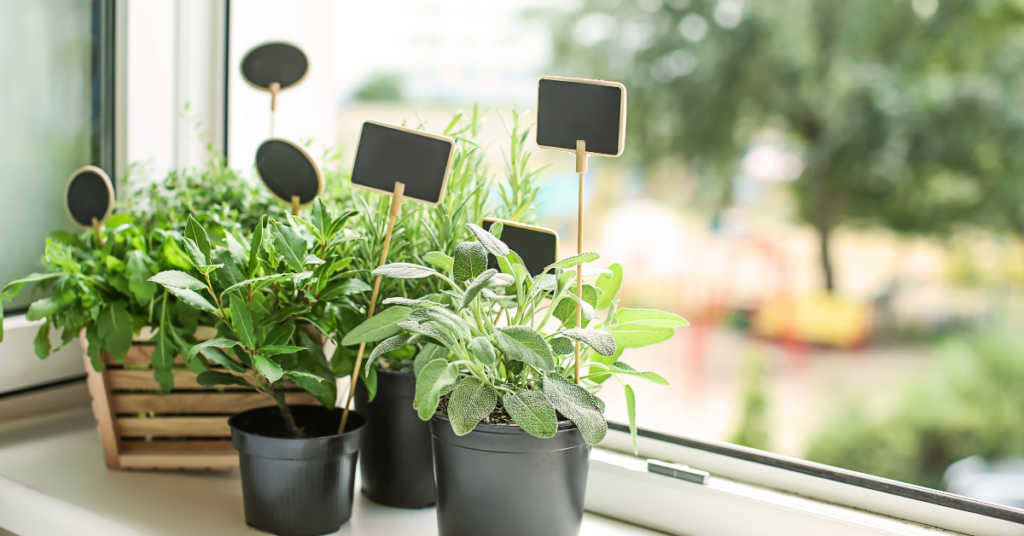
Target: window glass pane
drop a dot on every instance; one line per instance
(831, 195)
(46, 109)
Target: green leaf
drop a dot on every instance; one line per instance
(533, 412)
(196, 255)
(471, 402)
(404, 270)
(566, 308)
(241, 321)
(623, 368)
(309, 382)
(313, 259)
(217, 357)
(43, 308)
(650, 317)
(574, 260)
(601, 341)
(501, 280)
(439, 260)
(195, 232)
(259, 282)
(219, 342)
(370, 382)
(470, 261)
(476, 286)
(212, 378)
(577, 405)
(522, 343)
(279, 335)
(95, 348)
(256, 246)
(115, 329)
(174, 255)
(290, 245)
(609, 285)
(42, 341)
(491, 243)
(283, 314)
(343, 288)
(638, 334)
(561, 346)
(450, 321)
(272, 350)
(164, 351)
(434, 377)
(192, 298)
(434, 331)
(14, 287)
(496, 229)
(387, 345)
(176, 279)
(138, 277)
(270, 370)
(320, 218)
(378, 328)
(482, 350)
(406, 302)
(231, 271)
(428, 353)
(631, 411)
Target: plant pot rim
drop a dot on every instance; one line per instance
(393, 372)
(297, 447)
(498, 428)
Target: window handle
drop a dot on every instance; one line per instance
(675, 470)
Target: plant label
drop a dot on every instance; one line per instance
(289, 171)
(574, 109)
(89, 197)
(388, 154)
(272, 63)
(536, 246)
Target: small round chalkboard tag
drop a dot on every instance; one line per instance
(280, 63)
(89, 197)
(289, 172)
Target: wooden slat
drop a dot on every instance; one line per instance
(181, 447)
(201, 402)
(173, 427)
(139, 354)
(102, 411)
(192, 461)
(143, 379)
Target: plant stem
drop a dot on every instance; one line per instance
(286, 414)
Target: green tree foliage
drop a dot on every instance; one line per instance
(908, 119)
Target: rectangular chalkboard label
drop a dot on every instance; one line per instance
(537, 246)
(388, 154)
(570, 109)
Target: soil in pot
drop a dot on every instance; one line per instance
(539, 483)
(397, 465)
(297, 487)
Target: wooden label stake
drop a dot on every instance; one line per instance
(396, 207)
(274, 89)
(296, 208)
(97, 227)
(581, 168)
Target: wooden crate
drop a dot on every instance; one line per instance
(184, 429)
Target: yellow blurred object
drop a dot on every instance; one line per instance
(820, 319)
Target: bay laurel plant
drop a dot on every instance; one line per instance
(521, 368)
(275, 302)
(429, 234)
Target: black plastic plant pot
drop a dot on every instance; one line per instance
(297, 487)
(501, 481)
(397, 466)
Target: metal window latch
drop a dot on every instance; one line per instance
(675, 470)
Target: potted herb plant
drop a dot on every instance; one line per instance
(511, 430)
(297, 470)
(397, 466)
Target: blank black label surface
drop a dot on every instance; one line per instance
(389, 155)
(538, 249)
(570, 111)
(88, 198)
(287, 171)
(274, 62)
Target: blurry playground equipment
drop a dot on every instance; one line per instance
(818, 319)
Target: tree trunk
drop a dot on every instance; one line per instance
(825, 236)
(286, 413)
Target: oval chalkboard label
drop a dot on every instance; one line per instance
(288, 170)
(388, 154)
(89, 196)
(274, 62)
(571, 109)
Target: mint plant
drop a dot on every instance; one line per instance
(274, 302)
(483, 370)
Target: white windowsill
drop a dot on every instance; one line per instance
(53, 481)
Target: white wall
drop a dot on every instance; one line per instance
(305, 111)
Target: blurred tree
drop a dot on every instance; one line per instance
(908, 113)
(381, 87)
